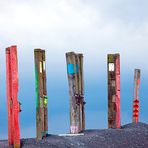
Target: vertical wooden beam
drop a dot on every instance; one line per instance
(45, 94)
(12, 97)
(136, 97)
(81, 91)
(38, 118)
(79, 100)
(113, 68)
(41, 95)
(71, 71)
(16, 105)
(9, 97)
(75, 79)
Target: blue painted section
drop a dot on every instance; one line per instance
(71, 69)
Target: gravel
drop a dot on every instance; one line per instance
(133, 135)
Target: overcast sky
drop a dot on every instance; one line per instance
(93, 27)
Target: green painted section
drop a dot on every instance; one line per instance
(43, 134)
(46, 133)
(41, 102)
(110, 58)
(45, 100)
(37, 86)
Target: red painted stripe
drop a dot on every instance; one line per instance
(12, 96)
(9, 101)
(118, 122)
(14, 72)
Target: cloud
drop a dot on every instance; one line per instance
(94, 28)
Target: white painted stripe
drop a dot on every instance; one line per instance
(40, 67)
(70, 135)
(44, 65)
(111, 67)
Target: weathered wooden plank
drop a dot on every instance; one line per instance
(41, 94)
(45, 95)
(75, 88)
(118, 122)
(41, 98)
(9, 96)
(82, 91)
(79, 99)
(12, 97)
(38, 118)
(113, 68)
(136, 96)
(16, 110)
(76, 69)
(70, 57)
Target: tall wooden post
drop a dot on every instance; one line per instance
(76, 91)
(41, 94)
(136, 97)
(113, 68)
(12, 96)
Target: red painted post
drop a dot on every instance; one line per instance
(136, 97)
(12, 97)
(113, 90)
(9, 98)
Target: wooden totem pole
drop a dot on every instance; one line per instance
(13, 105)
(41, 95)
(76, 92)
(136, 97)
(113, 67)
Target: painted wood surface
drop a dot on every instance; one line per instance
(41, 95)
(76, 91)
(113, 68)
(12, 96)
(136, 96)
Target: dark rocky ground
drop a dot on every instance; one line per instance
(129, 136)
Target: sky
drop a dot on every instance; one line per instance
(92, 27)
